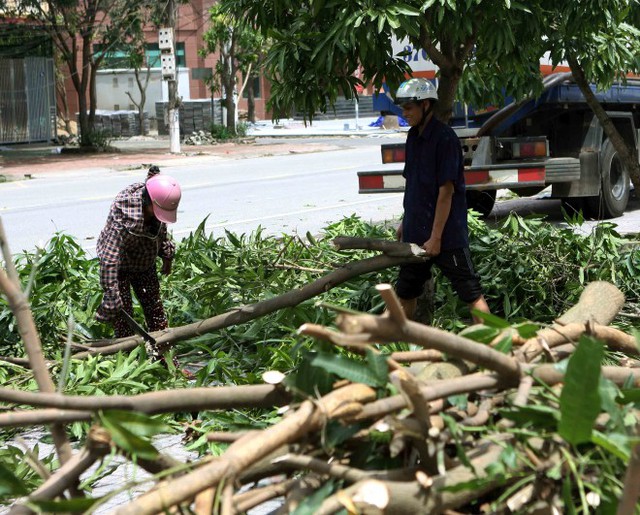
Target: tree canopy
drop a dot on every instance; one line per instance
(318, 46)
(239, 48)
(77, 28)
(484, 49)
(601, 43)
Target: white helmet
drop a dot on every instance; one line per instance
(415, 90)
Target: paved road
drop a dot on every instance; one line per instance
(296, 192)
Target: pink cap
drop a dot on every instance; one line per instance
(165, 194)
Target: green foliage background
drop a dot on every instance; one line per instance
(530, 270)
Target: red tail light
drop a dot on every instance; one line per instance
(393, 153)
(521, 148)
(530, 149)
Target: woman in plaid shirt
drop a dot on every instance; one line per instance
(134, 236)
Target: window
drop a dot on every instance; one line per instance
(118, 58)
(256, 89)
(152, 53)
(130, 83)
(115, 82)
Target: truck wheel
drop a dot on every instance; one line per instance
(614, 188)
(481, 201)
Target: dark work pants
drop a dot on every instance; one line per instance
(146, 286)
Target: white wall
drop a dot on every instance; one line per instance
(112, 87)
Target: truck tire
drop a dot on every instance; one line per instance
(614, 186)
(481, 201)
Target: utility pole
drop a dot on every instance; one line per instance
(167, 45)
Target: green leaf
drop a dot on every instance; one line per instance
(311, 503)
(139, 424)
(310, 379)
(491, 320)
(126, 440)
(480, 333)
(505, 344)
(539, 416)
(378, 365)
(66, 505)
(354, 371)
(580, 402)
(527, 329)
(10, 485)
(614, 443)
(233, 239)
(628, 396)
(337, 433)
(311, 238)
(567, 490)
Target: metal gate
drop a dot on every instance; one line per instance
(27, 100)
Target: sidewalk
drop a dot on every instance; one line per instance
(28, 161)
(338, 127)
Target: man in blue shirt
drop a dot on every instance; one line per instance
(435, 207)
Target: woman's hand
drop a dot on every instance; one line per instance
(166, 266)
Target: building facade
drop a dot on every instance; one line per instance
(116, 83)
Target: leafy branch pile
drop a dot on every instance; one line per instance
(506, 416)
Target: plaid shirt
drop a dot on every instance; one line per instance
(126, 244)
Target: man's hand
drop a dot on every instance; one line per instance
(166, 266)
(432, 246)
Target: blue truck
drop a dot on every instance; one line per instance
(551, 140)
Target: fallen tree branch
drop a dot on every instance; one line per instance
(259, 309)
(309, 417)
(414, 356)
(31, 339)
(384, 329)
(351, 342)
(73, 408)
(631, 491)
(245, 501)
(550, 375)
(437, 390)
(615, 339)
(98, 445)
(388, 247)
(599, 303)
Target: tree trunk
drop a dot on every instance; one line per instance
(231, 112)
(450, 59)
(251, 101)
(626, 153)
(62, 105)
(86, 123)
(83, 120)
(142, 88)
(228, 80)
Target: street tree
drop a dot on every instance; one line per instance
(319, 46)
(601, 43)
(239, 48)
(138, 62)
(76, 29)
